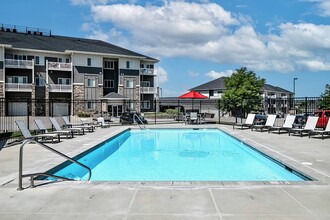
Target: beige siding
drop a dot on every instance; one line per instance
(134, 63)
(81, 60)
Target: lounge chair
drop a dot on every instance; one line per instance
(289, 120)
(326, 131)
(70, 125)
(102, 123)
(269, 123)
(59, 129)
(42, 128)
(27, 135)
(193, 118)
(248, 122)
(309, 127)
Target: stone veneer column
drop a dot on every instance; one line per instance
(100, 93)
(47, 101)
(33, 100)
(2, 99)
(78, 94)
(137, 99)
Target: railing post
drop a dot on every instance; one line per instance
(155, 102)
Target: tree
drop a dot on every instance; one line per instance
(242, 92)
(325, 102)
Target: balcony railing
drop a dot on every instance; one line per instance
(146, 71)
(148, 90)
(60, 88)
(21, 64)
(59, 66)
(18, 87)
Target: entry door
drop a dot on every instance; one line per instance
(115, 111)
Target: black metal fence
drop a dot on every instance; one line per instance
(164, 110)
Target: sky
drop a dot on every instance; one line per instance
(198, 41)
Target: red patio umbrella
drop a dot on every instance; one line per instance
(192, 95)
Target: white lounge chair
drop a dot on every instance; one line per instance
(71, 130)
(248, 122)
(102, 123)
(42, 128)
(289, 120)
(70, 125)
(309, 126)
(27, 135)
(193, 118)
(269, 123)
(326, 131)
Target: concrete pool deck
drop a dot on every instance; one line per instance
(170, 200)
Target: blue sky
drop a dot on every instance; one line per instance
(198, 41)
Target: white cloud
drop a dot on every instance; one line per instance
(206, 31)
(193, 74)
(323, 7)
(162, 75)
(88, 2)
(215, 75)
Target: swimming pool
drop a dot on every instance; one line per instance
(176, 155)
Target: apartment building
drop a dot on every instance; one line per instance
(36, 65)
(276, 99)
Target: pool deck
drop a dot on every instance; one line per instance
(170, 200)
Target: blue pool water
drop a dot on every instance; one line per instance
(177, 155)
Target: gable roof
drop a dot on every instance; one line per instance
(219, 84)
(114, 95)
(64, 44)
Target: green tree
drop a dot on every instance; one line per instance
(325, 101)
(242, 92)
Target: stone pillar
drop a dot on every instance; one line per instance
(47, 101)
(137, 99)
(100, 92)
(33, 100)
(2, 99)
(78, 94)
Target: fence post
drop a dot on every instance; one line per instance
(28, 113)
(155, 103)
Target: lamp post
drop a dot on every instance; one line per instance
(294, 94)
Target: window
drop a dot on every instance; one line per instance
(108, 64)
(89, 62)
(145, 84)
(37, 60)
(129, 84)
(211, 93)
(90, 105)
(127, 65)
(60, 60)
(108, 83)
(90, 82)
(146, 104)
(63, 81)
(39, 81)
(17, 79)
(67, 60)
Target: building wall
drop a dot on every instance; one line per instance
(134, 63)
(81, 60)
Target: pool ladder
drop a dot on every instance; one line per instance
(32, 175)
(142, 125)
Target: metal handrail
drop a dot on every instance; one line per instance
(32, 175)
(136, 116)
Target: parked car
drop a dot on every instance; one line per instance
(324, 116)
(128, 117)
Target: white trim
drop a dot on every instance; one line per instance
(103, 54)
(79, 84)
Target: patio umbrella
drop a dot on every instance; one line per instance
(192, 95)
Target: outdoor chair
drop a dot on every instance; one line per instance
(287, 125)
(42, 128)
(59, 129)
(326, 131)
(86, 123)
(269, 123)
(70, 125)
(27, 135)
(193, 118)
(309, 127)
(248, 122)
(102, 123)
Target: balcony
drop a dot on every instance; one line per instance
(60, 88)
(148, 90)
(20, 64)
(59, 66)
(146, 71)
(18, 87)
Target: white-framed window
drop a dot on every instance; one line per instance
(59, 60)
(145, 83)
(91, 105)
(108, 83)
(109, 64)
(67, 60)
(127, 64)
(17, 79)
(146, 104)
(39, 81)
(129, 83)
(91, 83)
(89, 61)
(37, 60)
(63, 81)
